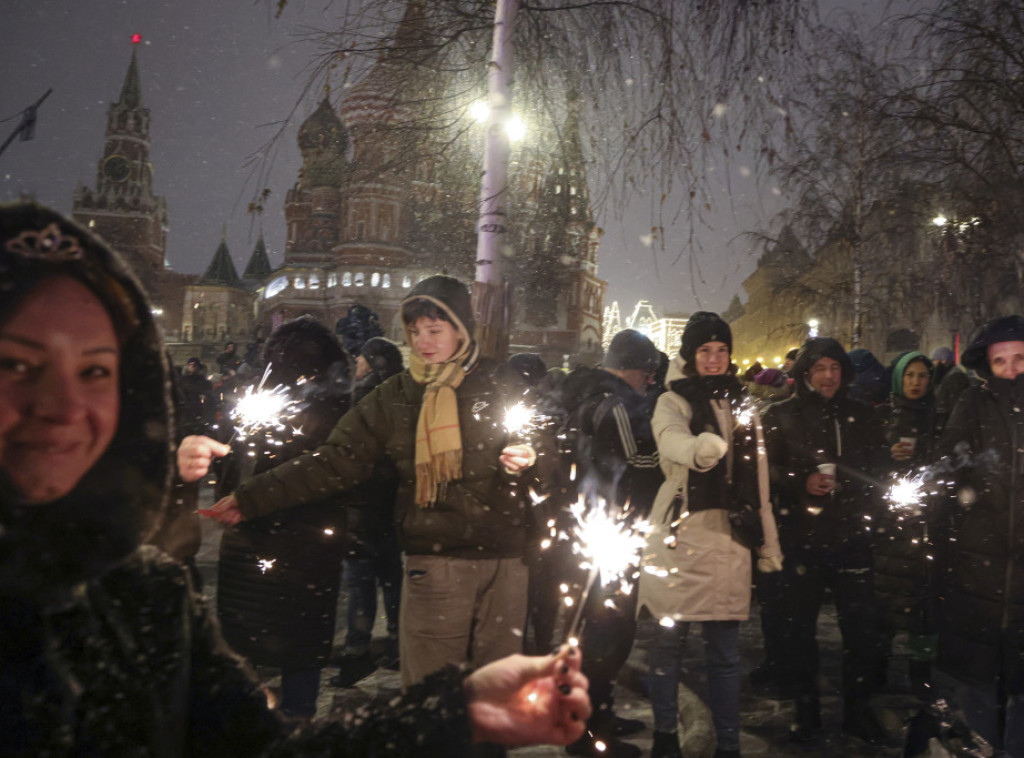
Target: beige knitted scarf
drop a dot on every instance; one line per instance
(438, 437)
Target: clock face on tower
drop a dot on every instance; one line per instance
(116, 168)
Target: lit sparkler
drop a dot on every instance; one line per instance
(520, 419)
(263, 409)
(746, 413)
(610, 546)
(906, 494)
(265, 564)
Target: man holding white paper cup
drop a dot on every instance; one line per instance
(825, 451)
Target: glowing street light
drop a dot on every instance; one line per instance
(940, 220)
(480, 111)
(515, 127)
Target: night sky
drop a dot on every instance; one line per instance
(216, 76)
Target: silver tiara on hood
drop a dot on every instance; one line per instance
(48, 244)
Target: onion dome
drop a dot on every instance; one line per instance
(323, 141)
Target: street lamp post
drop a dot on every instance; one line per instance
(490, 300)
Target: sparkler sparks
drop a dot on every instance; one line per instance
(518, 419)
(265, 564)
(610, 546)
(262, 409)
(906, 494)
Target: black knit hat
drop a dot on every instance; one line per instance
(530, 365)
(383, 356)
(701, 328)
(301, 347)
(1005, 329)
(629, 349)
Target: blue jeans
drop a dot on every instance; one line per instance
(982, 713)
(722, 652)
(361, 577)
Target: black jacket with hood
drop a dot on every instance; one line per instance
(808, 429)
(278, 577)
(981, 560)
(105, 648)
(615, 452)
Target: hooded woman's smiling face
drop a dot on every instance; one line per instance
(59, 391)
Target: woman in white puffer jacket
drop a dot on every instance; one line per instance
(711, 511)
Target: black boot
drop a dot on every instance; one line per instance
(353, 669)
(860, 721)
(808, 719)
(666, 745)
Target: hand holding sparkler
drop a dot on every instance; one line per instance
(195, 455)
(225, 510)
(516, 458)
(529, 700)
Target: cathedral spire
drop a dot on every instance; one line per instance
(221, 269)
(259, 264)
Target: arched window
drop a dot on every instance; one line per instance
(360, 280)
(375, 279)
(346, 279)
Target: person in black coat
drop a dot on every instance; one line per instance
(372, 555)
(617, 462)
(826, 451)
(982, 560)
(278, 576)
(903, 555)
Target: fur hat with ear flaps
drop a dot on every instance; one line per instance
(49, 547)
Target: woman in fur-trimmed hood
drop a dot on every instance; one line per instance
(105, 648)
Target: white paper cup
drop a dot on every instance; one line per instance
(828, 469)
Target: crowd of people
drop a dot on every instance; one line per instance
(771, 486)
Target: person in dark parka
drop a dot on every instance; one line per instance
(826, 451)
(903, 555)
(278, 576)
(105, 647)
(617, 462)
(982, 560)
(372, 555)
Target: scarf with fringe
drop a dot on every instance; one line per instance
(438, 437)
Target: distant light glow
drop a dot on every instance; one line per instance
(516, 128)
(940, 220)
(480, 111)
(136, 38)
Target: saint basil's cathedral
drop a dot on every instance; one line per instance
(371, 213)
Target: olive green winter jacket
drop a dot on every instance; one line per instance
(482, 515)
